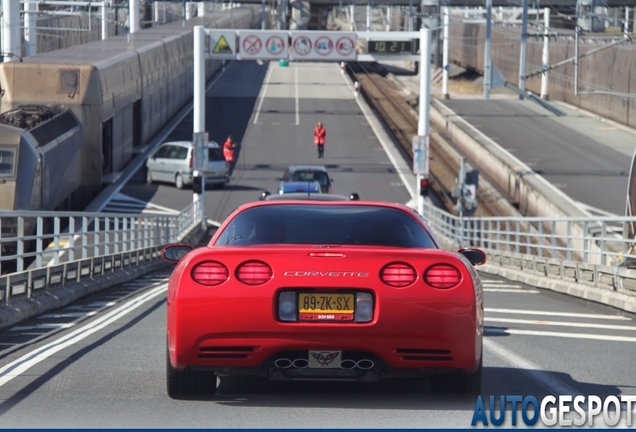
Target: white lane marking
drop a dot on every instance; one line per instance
(148, 205)
(68, 315)
(534, 371)
(385, 146)
(489, 285)
(560, 314)
(561, 323)
(24, 363)
(214, 223)
(516, 291)
(596, 210)
(260, 102)
(297, 102)
(42, 326)
(492, 330)
(92, 305)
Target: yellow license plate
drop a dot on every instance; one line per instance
(325, 307)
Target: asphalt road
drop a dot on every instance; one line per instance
(275, 131)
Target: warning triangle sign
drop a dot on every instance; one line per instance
(222, 47)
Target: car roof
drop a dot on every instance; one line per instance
(306, 196)
(293, 168)
(212, 144)
(386, 204)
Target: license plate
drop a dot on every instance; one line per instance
(325, 307)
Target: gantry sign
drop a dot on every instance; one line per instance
(339, 46)
(309, 45)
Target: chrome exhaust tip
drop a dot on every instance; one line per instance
(283, 363)
(365, 364)
(300, 363)
(347, 364)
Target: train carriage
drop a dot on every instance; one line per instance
(122, 89)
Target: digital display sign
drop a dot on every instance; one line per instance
(391, 47)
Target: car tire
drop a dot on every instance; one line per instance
(178, 181)
(460, 384)
(188, 384)
(149, 179)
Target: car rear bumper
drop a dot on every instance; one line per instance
(413, 341)
(209, 179)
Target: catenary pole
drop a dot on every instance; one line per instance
(445, 51)
(545, 58)
(11, 39)
(487, 55)
(524, 42)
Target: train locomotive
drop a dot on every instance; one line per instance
(121, 91)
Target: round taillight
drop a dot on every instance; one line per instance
(254, 273)
(398, 275)
(210, 273)
(442, 276)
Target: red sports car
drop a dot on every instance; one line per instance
(331, 290)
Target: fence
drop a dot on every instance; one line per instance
(596, 251)
(42, 251)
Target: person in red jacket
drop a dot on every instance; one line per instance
(229, 147)
(320, 136)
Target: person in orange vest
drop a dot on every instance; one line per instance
(229, 148)
(320, 136)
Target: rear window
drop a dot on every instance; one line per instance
(310, 224)
(215, 154)
(306, 176)
(7, 163)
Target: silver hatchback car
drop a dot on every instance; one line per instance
(172, 162)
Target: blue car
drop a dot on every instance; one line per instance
(305, 178)
(306, 187)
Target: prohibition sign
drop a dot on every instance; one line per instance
(302, 45)
(274, 45)
(345, 46)
(252, 45)
(324, 46)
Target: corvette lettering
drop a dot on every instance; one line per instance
(301, 273)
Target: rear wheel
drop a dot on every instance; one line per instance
(178, 181)
(188, 383)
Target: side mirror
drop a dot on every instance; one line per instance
(353, 196)
(264, 195)
(174, 252)
(475, 256)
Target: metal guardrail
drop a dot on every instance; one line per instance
(42, 251)
(594, 251)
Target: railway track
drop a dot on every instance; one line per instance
(401, 120)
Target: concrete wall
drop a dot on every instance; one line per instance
(607, 70)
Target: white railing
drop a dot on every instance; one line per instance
(41, 250)
(598, 251)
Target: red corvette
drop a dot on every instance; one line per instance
(331, 290)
